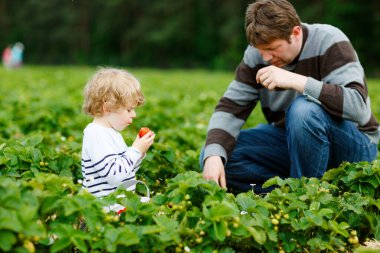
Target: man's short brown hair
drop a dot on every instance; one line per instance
(268, 20)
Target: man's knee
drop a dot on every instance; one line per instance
(304, 112)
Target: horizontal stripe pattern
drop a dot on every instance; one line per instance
(335, 80)
(106, 161)
(233, 108)
(97, 175)
(247, 75)
(241, 94)
(223, 138)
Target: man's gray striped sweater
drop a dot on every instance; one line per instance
(336, 81)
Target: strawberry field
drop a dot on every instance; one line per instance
(43, 209)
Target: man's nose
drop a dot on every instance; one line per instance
(266, 55)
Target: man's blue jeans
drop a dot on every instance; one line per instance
(312, 142)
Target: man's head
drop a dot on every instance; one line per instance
(111, 89)
(268, 20)
(274, 28)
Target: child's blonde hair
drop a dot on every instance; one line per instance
(112, 89)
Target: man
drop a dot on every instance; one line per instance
(313, 93)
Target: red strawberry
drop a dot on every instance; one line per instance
(143, 131)
(122, 210)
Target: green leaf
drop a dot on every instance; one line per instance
(11, 155)
(339, 228)
(127, 237)
(80, 244)
(60, 244)
(7, 239)
(296, 204)
(325, 198)
(169, 228)
(304, 197)
(258, 234)
(375, 203)
(368, 169)
(9, 220)
(245, 202)
(272, 235)
(374, 181)
(314, 218)
(354, 202)
(273, 182)
(34, 140)
(159, 199)
(220, 229)
(222, 210)
(36, 155)
(333, 174)
(326, 212)
(302, 224)
(70, 205)
(3, 160)
(318, 243)
(151, 229)
(227, 250)
(314, 206)
(120, 236)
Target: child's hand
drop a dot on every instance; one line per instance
(143, 143)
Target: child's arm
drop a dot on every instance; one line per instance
(113, 166)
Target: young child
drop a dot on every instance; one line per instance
(111, 97)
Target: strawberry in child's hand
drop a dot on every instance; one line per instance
(143, 131)
(122, 211)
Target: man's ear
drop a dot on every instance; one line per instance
(297, 32)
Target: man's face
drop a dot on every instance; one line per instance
(279, 52)
(282, 52)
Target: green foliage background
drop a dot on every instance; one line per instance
(42, 207)
(165, 33)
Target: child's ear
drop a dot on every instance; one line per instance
(105, 107)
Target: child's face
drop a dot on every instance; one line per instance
(121, 118)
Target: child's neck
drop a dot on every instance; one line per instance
(102, 122)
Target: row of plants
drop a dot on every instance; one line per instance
(41, 177)
(47, 213)
(44, 209)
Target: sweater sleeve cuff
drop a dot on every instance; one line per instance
(217, 150)
(140, 160)
(134, 154)
(313, 89)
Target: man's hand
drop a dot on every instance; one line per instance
(272, 77)
(214, 170)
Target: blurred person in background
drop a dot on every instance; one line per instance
(13, 55)
(7, 56)
(17, 55)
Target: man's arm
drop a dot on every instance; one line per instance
(230, 115)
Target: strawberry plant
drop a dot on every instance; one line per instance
(44, 209)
